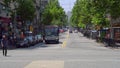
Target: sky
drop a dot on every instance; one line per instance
(67, 4)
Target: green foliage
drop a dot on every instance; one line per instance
(26, 9)
(54, 14)
(94, 12)
(115, 8)
(7, 2)
(81, 13)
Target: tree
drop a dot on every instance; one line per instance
(26, 9)
(54, 14)
(91, 12)
(81, 13)
(114, 8)
(7, 2)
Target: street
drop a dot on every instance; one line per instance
(73, 51)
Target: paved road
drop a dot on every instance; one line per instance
(73, 51)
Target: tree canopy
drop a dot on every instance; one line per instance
(54, 14)
(94, 12)
(26, 9)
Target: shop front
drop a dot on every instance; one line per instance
(4, 23)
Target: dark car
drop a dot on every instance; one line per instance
(70, 31)
(22, 42)
(0, 44)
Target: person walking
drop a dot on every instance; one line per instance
(4, 45)
(107, 38)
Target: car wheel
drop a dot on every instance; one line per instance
(46, 42)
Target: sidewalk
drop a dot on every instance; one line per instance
(93, 41)
(99, 44)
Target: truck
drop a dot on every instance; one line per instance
(51, 34)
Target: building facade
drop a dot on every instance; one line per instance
(4, 18)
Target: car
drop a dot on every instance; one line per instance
(65, 29)
(36, 39)
(22, 43)
(70, 31)
(40, 38)
(93, 34)
(0, 44)
(61, 30)
(30, 40)
(76, 31)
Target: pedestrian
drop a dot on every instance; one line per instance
(4, 44)
(107, 38)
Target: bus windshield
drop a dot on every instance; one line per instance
(51, 31)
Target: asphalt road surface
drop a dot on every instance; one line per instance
(73, 51)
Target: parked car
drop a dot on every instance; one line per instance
(30, 40)
(34, 40)
(76, 31)
(94, 34)
(39, 38)
(70, 31)
(22, 43)
(61, 30)
(65, 29)
(0, 44)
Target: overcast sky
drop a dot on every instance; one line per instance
(67, 4)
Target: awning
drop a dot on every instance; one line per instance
(5, 20)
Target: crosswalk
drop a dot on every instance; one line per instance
(46, 64)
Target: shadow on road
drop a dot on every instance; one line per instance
(8, 56)
(40, 45)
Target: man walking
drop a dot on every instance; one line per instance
(4, 45)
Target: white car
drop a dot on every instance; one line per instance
(76, 31)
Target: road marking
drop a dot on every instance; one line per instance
(64, 44)
(65, 41)
(46, 64)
